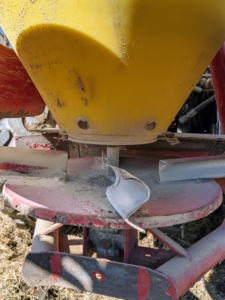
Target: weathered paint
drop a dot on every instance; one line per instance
(23, 169)
(40, 146)
(18, 95)
(149, 257)
(172, 290)
(56, 267)
(43, 214)
(32, 162)
(143, 282)
(205, 254)
(96, 276)
(76, 202)
(169, 281)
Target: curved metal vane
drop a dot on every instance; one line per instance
(127, 194)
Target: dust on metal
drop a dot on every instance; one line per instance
(76, 202)
(35, 163)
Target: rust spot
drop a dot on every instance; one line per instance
(39, 146)
(80, 84)
(45, 215)
(38, 66)
(58, 103)
(85, 100)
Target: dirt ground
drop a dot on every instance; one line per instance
(15, 244)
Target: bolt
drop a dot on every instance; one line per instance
(113, 154)
(150, 125)
(209, 84)
(83, 124)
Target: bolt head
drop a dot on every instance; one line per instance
(150, 125)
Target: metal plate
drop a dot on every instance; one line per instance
(15, 162)
(82, 200)
(97, 276)
(192, 168)
(4, 137)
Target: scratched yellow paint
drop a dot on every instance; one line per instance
(116, 65)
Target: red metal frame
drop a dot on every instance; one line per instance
(203, 256)
(104, 276)
(18, 95)
(151, 274)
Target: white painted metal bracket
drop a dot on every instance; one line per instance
(127, 194)
(192, 168)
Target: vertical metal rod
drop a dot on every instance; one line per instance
(183, 230)
(130, 243)
(113, 160)
(42, 242)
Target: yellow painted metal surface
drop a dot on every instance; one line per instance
(114, 66)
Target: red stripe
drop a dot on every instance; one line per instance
(56, 267)
(143, 284)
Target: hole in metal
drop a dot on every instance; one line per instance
(83, 124)
(98, 276)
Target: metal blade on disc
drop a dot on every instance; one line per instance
(127, 194)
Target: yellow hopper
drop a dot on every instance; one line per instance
(114, 71)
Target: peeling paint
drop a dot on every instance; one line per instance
(23, 169)
(56, 267)
(143, 284)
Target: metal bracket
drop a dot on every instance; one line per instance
(15, 162)
(192, 168)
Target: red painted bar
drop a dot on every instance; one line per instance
(203, 256)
